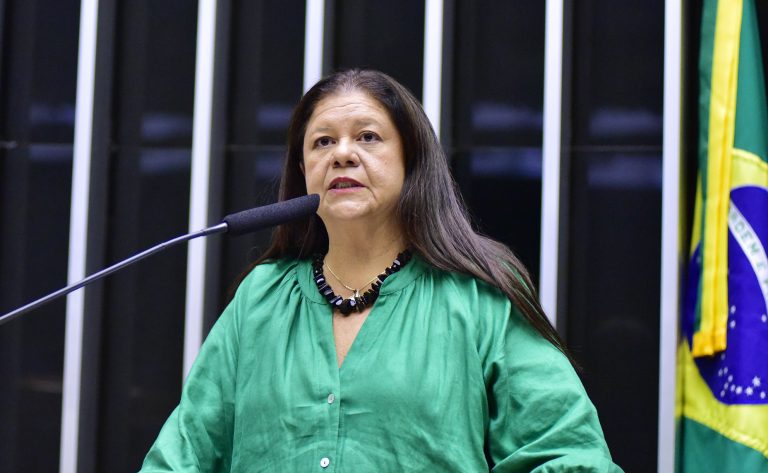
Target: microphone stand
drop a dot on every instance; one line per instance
(220, 228)
(236, 224)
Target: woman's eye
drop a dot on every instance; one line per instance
(324, 141)
(369, 136)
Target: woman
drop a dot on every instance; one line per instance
(383, 334)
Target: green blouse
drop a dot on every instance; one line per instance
(444, 375)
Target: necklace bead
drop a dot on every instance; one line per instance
(358, 302)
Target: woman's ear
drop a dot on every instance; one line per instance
(301, 166)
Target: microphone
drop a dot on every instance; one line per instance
(239, 223)
(254, 219)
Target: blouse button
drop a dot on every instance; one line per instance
(331, 398)
(324, 462)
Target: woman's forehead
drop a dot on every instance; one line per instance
(347, 102)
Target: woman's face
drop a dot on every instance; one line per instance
(353, 158)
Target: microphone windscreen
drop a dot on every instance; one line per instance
(257, 218)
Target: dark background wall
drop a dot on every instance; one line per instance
(38, 61)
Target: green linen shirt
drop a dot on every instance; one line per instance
(444, 375)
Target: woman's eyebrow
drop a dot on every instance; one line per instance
(357, 123)
(320, 129)
(365, 122)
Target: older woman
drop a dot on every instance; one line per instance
(383, 334)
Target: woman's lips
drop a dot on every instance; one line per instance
(344, 184)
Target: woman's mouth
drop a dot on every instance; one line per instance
(344, 183)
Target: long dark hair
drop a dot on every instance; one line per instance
(431, 211)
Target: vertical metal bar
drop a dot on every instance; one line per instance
(671, 242)
(551, 156)
(78, 231)
(433, 61)
(313, 42)
(200, 180)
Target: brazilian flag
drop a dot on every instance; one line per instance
(723, 356)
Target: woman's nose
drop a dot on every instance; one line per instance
(345, 154)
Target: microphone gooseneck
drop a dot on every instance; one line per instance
(235, 224)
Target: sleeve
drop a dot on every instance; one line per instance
(197, 437)
(540, 417)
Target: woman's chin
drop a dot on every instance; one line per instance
(345, 217)
(346, 214)
(350, 212)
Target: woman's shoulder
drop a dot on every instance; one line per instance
(273, 267)
(482, 304)
(465, 287)
(268, 277)
(478, 303)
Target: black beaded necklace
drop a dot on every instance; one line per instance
(358, 301)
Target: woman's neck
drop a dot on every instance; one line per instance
(357, 253)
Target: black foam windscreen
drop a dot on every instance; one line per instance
(270, 215)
